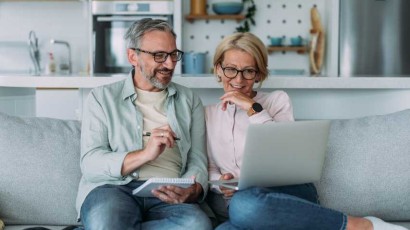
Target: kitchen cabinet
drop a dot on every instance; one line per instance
(62, 103)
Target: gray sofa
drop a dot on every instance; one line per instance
(366, 172)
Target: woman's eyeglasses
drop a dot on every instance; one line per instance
(231, 73)
(161, 57)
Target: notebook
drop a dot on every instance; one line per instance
(282, 153)
(145, 189)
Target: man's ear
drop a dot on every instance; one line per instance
(132, 57)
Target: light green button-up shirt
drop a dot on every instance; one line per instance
(112, 127)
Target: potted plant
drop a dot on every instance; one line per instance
(249, 17)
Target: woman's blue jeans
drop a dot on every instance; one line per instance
(285, 207)
(114, 207)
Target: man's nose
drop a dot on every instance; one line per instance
(169, 63)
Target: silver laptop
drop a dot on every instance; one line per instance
(282, 153)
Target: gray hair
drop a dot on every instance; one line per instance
(137, 30)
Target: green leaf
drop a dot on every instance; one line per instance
(249, 17)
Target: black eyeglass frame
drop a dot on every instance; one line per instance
(163, 59)
(239, 71)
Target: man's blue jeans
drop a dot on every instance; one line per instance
(114, 207)
(285, 207)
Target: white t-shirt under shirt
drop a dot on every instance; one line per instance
(153, 107)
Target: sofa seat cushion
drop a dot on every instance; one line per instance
(39, 170)
(367, 167)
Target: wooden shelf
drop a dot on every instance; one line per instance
(237, 17)
(298, 49)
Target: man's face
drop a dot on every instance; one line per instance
(150, 74)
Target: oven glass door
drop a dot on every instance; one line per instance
(110, 50)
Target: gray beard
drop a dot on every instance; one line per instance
(153, 80)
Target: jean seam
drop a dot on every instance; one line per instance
(344, 223)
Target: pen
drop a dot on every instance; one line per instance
(147, 134)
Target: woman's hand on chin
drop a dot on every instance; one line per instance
(240, 99)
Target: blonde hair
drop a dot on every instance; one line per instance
(249, 43)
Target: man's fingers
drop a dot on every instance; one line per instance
(170, 194)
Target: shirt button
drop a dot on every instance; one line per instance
(135, 175)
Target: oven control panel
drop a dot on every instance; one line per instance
(133, 7)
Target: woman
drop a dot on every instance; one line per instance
(240, 61)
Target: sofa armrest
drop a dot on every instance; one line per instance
(367, 167)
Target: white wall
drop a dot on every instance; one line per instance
(63, 20)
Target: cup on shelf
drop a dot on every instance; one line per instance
(276, 41)
(296, 41)
(194, 63)
(198, 7)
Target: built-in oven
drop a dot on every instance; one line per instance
(111, 20)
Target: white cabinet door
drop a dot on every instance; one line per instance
(58, 103)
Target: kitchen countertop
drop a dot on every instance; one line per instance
(208, 81)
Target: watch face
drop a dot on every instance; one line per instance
(257, 107)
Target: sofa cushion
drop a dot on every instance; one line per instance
(39, 170)
(367, 167)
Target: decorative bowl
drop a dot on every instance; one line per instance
(276, 41)
(227, 7)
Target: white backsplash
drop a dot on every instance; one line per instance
(274, 18)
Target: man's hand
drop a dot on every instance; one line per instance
(176, 195)
(160, 138)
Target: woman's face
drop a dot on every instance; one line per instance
(239, 60)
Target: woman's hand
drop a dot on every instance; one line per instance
(226, 191)
(242, 100)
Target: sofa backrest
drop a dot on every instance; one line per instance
(39, 170)
(366, 171)
(367, 167)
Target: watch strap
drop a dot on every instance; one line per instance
(251, 111)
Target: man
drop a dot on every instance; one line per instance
(116, 154)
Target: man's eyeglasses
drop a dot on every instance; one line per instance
(161, 56)
(231, 73)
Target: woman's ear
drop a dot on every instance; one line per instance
(218, 71)
(258, 78)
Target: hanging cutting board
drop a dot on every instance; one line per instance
(317, 44)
